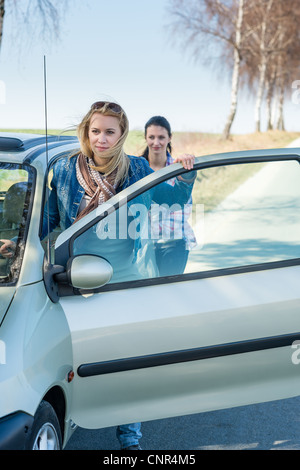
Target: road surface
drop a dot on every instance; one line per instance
(268, 426)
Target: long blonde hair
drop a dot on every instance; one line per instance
(116, 157)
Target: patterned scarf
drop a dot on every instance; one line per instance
(100, 188)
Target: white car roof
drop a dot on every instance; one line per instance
(21, 147)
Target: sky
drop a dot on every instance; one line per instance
(122, 50)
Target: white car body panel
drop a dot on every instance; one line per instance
(174, 317)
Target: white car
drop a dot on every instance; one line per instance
(91, 334)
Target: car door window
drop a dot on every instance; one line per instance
(129, 236)
(15, 195)
(250, 215)
(238, 215)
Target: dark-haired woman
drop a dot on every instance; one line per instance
(172, 253)
(158, 152)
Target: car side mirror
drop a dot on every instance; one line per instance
(85, 272)
(88, 272)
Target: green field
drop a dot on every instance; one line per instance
(197, 143)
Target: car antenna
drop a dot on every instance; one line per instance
(50, 270)
(47, 162)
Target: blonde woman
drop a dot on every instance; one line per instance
(90, 177)
(100, 169)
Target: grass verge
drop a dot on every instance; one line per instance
(197, 143)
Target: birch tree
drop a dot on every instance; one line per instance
(271, 53)
(204, 24)
(259, 40)
(264, 53)
(236, 69)
(289, 51)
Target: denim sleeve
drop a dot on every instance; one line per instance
(52, 206)
(180, 193)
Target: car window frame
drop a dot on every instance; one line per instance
(63, 252)
(23, 234)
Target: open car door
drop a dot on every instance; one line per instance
(156, 338)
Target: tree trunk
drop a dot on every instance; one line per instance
(236, 72)
(269, 105)
(260, 91)
(262, 67)
(274, 109)
(270, 97)
(280, 121)
(234, 94)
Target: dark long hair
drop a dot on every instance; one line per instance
(162, 122)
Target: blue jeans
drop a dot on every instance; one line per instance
(129, 434)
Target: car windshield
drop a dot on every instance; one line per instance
(15, 196)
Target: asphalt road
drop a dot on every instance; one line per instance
(269, 426)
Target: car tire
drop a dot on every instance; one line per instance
(45, 433)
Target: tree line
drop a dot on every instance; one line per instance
(259, 42)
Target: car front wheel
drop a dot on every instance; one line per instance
(45, 432)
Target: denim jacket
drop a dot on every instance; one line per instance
(67, 193)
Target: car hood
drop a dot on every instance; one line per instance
(6, 295)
